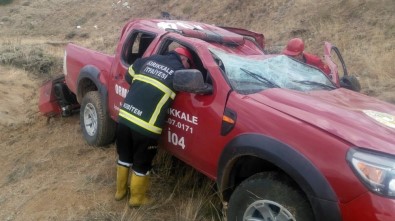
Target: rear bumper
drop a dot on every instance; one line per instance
(369, 207)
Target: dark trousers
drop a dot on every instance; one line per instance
(135, 148)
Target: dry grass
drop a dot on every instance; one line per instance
(363, 30)
(180, 195)
(33, 58)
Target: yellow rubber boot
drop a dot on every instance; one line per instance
(122, 182)
(138, 189)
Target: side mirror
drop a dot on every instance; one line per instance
(191, 80)
(350, 82)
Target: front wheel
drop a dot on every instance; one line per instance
(268, 197)
(97, 126)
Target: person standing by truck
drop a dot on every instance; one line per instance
(295, 49)
(141, 118)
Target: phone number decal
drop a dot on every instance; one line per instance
(180, 125)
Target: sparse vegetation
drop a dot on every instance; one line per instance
(70, 35)
(84, 35)
(33, 59)
(5, 2)
(193, 196)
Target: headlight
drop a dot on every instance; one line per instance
(377, 171)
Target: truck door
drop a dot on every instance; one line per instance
(134, 47)
(193, 131)
(339, 73)
(193, 128)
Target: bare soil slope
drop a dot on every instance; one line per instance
(47, 170)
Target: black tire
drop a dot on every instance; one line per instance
(274, 194)
(97, 126)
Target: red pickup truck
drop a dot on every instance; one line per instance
(282, 140)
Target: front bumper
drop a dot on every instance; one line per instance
(370, 207)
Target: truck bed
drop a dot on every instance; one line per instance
(78, 57)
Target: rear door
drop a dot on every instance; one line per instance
(136, 43)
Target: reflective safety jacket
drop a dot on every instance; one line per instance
(151, 93)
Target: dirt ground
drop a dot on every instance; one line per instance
(45, 171)
(48, 172)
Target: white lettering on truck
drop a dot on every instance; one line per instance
(175, 25)
(183, 116)
(121, 91)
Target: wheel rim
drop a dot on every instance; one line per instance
(90, 119)
(266, 210)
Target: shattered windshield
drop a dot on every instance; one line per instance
(253, 74)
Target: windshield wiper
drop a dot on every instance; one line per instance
(260, 78)
(314, 83)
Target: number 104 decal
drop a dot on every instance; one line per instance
(174, 139)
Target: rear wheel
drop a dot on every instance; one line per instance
(97, 126)
(268, 197)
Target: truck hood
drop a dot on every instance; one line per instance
(361, 120)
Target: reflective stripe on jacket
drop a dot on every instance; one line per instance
(151, 93)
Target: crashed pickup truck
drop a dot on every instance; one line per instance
(282, 140)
